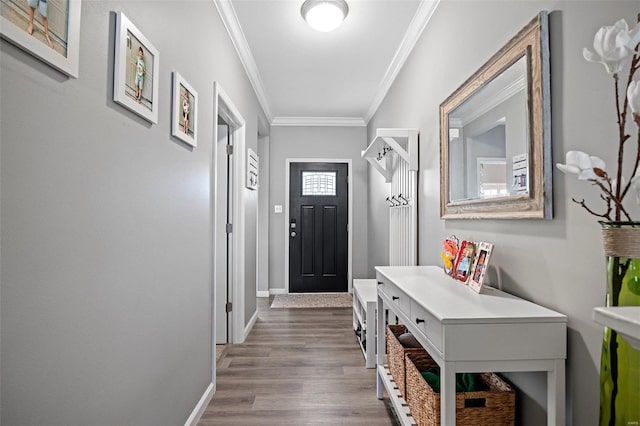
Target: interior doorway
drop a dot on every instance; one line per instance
(227, 225)
(318, 242)
(224, 243)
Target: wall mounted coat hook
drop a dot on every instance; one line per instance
(390, 202)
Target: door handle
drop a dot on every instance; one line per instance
(293, 234)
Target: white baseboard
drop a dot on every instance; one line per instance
(201, 406)
(250, 325)
(264, 293)
(278, 291)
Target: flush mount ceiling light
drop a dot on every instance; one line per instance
(324, 15)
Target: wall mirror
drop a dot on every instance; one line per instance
(495, 135)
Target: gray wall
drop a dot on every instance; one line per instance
(531, 257)
(316, 142)
(250, 251)
(105, 223)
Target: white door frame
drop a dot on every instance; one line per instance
(287, 179)
(223, 107)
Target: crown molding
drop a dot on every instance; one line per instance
(230, 20)
(414, 31)
(319, 121)
(468, 112)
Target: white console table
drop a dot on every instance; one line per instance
(464, 331)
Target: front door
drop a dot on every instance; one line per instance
(318, 220)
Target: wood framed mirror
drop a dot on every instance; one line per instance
(495, 135)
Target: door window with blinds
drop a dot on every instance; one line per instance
(319, 184)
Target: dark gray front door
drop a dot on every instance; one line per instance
(318, 216)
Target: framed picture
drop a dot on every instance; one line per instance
(451, 248)
(184, 111)
(252, 170)
(480, 266)
(136, 70)
(464, 261)
(47, 29)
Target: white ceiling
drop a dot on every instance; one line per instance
(305, 77)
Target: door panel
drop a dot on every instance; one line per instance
(307, 239)
(329, 235)
(318, 237)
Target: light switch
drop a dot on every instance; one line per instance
(277, 208)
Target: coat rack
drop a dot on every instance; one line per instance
(394, 154)
(403, 142)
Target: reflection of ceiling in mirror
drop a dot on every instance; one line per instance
(502, 87)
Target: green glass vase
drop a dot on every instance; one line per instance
(620, 362)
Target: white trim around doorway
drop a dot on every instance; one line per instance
(224, 107)
(288, 162)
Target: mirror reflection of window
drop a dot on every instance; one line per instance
(492, 177)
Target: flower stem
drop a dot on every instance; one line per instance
(635, 166)
(621, 126)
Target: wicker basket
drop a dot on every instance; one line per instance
(493, 407)
(395, 356)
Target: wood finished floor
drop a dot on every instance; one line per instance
(297, 367)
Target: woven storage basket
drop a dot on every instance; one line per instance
(395, 356)
(495, 406)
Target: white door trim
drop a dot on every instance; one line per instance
(288, 162)
(224, 107)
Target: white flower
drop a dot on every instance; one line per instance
(582, 164)
(611, 46)
(633, 96)
(634, 37)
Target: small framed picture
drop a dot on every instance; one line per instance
(184, 122)
(136, 70)
(46, 29)
(464, 261)
(480, 266)
(451, 248)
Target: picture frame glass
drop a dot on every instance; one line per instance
(187, 106)
(464, 261)
(139, 66)
(480, 266)
(47, 29)
(184, 107)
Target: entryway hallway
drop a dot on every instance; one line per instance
(298, 366)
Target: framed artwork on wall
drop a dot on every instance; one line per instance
(464, 261)
(184, 111)
(136, 70)
(480, 266)
(47, 29)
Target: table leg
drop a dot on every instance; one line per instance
(371, 336)
(380, 344)
(448, 393)
(556, 394)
